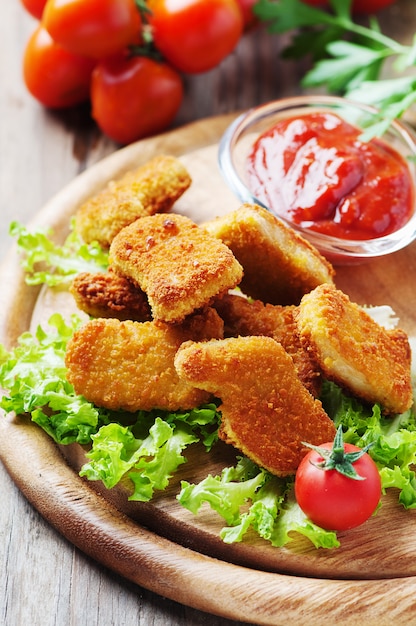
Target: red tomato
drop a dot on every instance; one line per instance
(370, 6)
(54, 76)
(93, 28)
(334, 501)
(195, 35)
(246, 7)
(34, 7)
(134, 97)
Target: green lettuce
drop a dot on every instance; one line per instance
(145, 447)
(33, 377)
(149, 451)
(46, 262)
(392, 439)
(249, 498)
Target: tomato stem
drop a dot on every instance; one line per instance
(337, 459)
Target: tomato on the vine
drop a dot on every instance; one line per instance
(195, 35)
(94, 28)
(331, 499)
(133, 97)
(54, 76)
(34, 7)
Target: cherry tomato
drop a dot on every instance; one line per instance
(34, 7)
(54, 76)
(246, 7)
(134, 97)
(370, 6)
(94, 28)
(195, 35)
(334, 501)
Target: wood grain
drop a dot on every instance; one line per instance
(159, 545)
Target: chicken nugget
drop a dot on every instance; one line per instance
(129, 365)
(110, 295)
(354, 351)
(243, 317)
(178, 265)
(279, 265)
(267, 413)
(152, 188)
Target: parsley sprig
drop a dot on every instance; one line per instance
(347, 57)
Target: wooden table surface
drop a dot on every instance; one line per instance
(45, 581)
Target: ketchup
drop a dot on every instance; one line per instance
(314, 171)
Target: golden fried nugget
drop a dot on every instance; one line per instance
(110, 295)
(279, 265)
(354, 351)
(243, 317)
(178, 265)
(152, 188)
(266, 411)
(129, 365)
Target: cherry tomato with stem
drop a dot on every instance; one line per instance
(93, 28)
(134, 97)
(34, 7)
(195, 35)
(338, 485)
(55, 77)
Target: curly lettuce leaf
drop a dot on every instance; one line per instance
(45, 262)
(249, 498)
(149, 451)
(33, 376)
(149, 463)
(392, 439)
(145, 447)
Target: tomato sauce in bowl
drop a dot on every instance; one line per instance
(306, 160)
(315, 171)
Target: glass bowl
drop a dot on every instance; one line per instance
(237, 142)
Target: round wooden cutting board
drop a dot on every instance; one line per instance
(371, 578)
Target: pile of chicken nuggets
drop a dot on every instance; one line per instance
(240, 308)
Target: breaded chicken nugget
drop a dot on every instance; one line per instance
(178, 265)
(243, 317)
(152, 188)
(129, 365)
(279, 265)
(266, 411)
(110, 295)
(354, 351)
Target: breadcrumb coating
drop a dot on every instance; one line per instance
(243, 317)
(279, 265)
(110, 295)
(354, 351)
(267, 413)
(176, 263)
(152, 188)
(130, 365)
